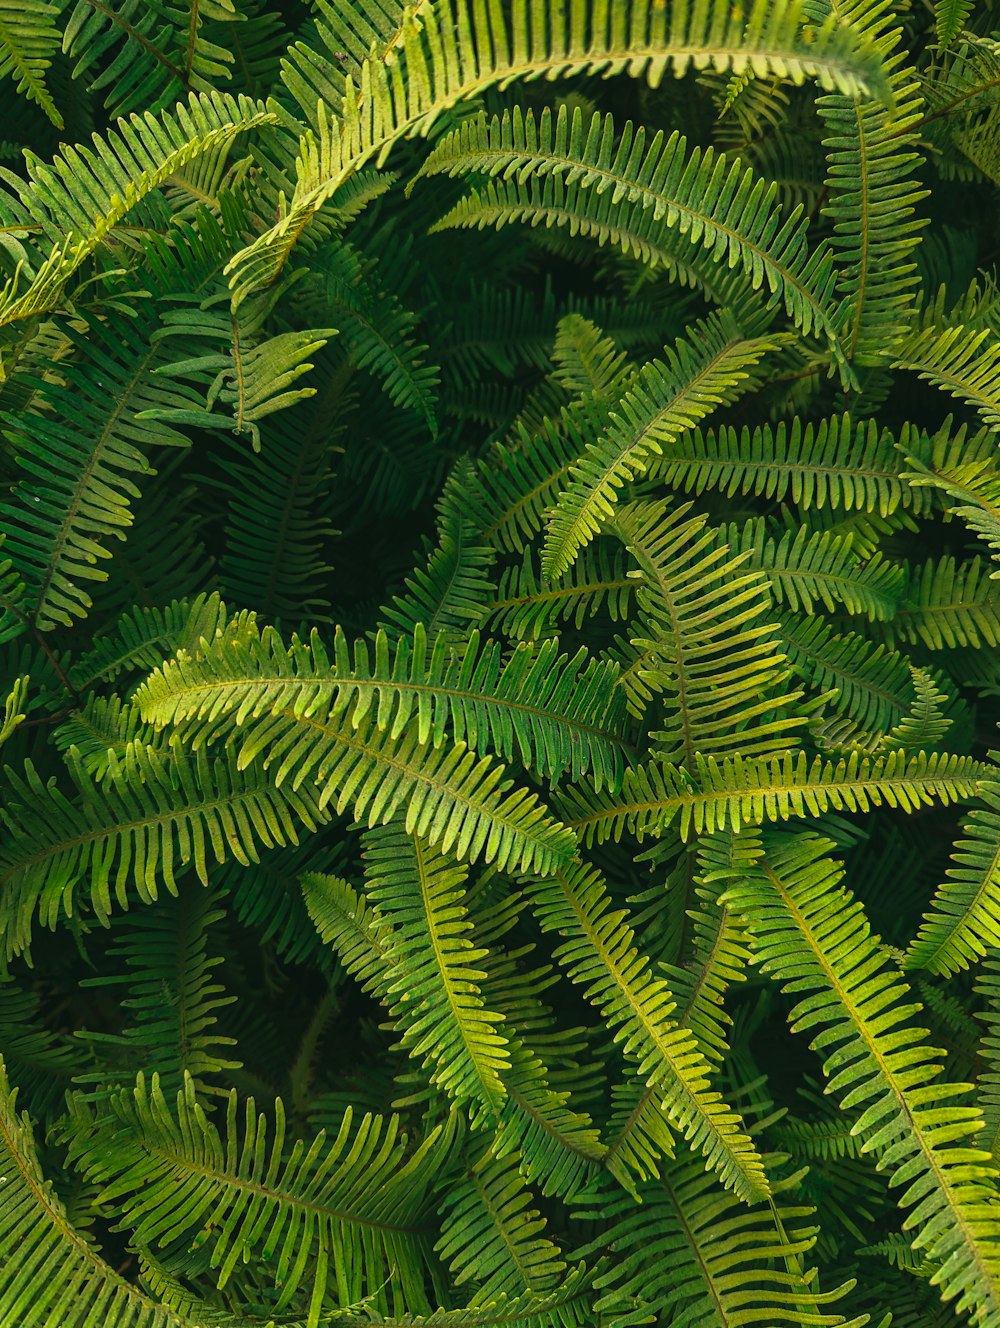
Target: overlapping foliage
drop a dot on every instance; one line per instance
(500, 609)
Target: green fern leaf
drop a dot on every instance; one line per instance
(59, 1277)
(551, 712)
(732, 792)
(707, 368)
(964, 919)
(350, 1210)
(599, 954)
(28, 40)
(815, 939)
(432, 977)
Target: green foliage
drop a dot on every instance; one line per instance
(499, 609)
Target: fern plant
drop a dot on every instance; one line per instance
(499, 604)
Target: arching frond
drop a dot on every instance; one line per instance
(462, 47)
(549, 711)
(611, 185)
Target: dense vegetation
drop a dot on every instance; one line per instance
(500, 626)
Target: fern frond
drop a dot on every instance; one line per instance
(689, 1251)
(143, 638)
(154, 814)
(518, 483)
(346, 1211)
(651, 200)
(599, 953)
(973, 486)
(491, 1237)
(433, 975)
(83, 194)
(460, 48)
(729, 793)
(59, 1277)
(871, 196)
(28, 40)
(710, 646)
(814, 938)
(552, 712)
(949, 16)
(145, 54)
(806, 567)
(349, 752)
(78, 480)
(839, 464)
(450, 586)
(529, 606)
(962, 361)
(708, 367)
(171, 998)
(571, 1306)
(949, 603)
(963, 923)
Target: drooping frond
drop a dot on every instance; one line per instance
(28, 40)
(815, 939)
(600, 954)
(710, 366)
(459, 48)
(335, 1216)
(650, 201)
(963, 922)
